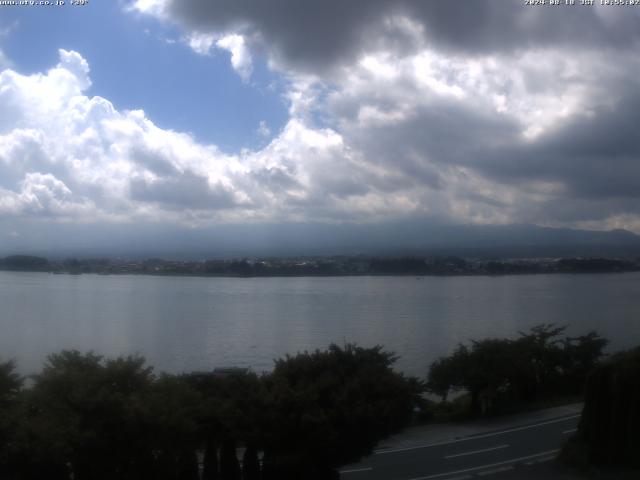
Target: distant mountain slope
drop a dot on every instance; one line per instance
(411, 237)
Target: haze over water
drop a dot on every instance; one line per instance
(183, 324)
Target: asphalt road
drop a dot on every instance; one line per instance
(470, 457)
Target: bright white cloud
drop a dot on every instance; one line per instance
(420, 133)
(240, 56)
(201, 42)
(151, 7)
(241, 61)
(69, 156)
(60, 149)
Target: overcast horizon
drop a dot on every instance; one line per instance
(193, 121)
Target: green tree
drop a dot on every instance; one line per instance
(89, 414)
(446, 374)
(250, 463)
(229, 465)
(172, 411)
(540, 360)
(329, 408)
(581, 355)
(210, 469)
(498, 371)
(609, 430)
(188, 464)
(232, 405)
(484, 370)
(10, 386)
(10, 382)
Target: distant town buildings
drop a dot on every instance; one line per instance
(322, 266)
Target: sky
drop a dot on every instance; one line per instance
(135, 120)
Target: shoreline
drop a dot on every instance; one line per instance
(323, 275)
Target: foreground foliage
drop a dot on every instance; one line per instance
(609, 430)
(90, 418)
(499, 372)
(336, 404)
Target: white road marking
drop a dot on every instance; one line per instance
(355, 470)
(496, 470)
(491, 465)
(546, 459)
(477, 451)
(466, 439)
(540, 460)
(566, 432)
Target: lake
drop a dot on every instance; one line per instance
(187, 323)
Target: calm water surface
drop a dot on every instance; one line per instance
(183, 324)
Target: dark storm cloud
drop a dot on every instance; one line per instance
(448, 132)
(305, 33)
(503, 25)
(594, 156)
(572, 209)
(318, 34)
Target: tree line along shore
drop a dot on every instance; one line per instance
(323, 266)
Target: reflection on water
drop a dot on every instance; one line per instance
(183, 324)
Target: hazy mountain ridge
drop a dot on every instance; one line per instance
(285, 240)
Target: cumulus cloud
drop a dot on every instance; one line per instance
(201, 42)
(74, 157)
(488, 111)
(240, 56)
(241, 61)
(485, 114)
